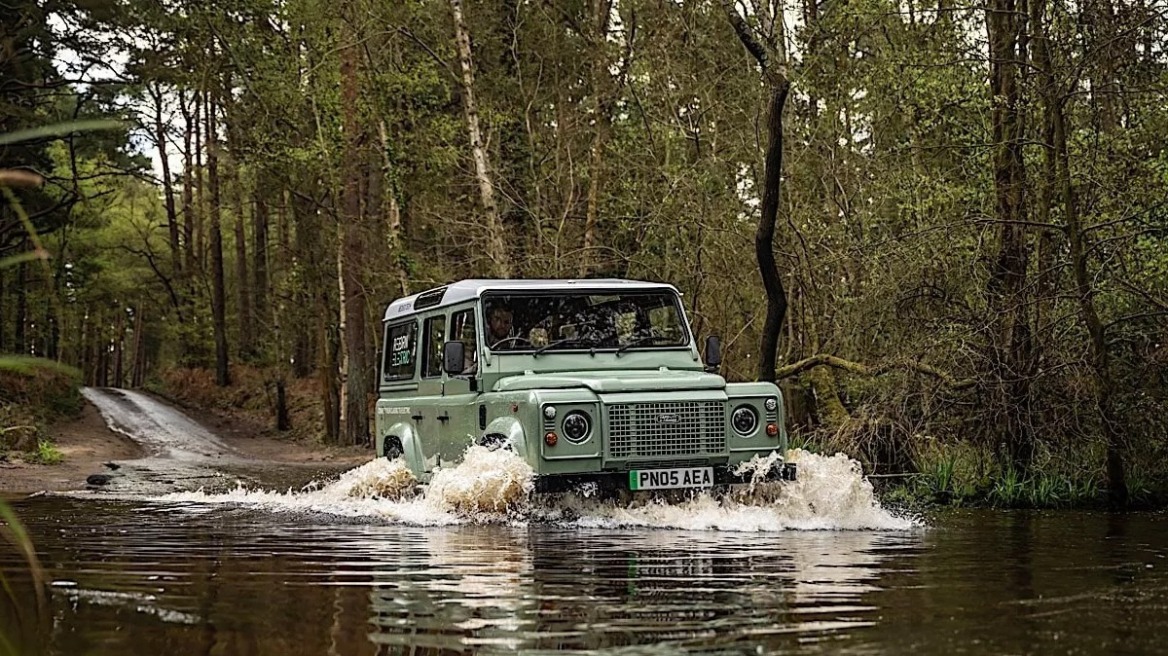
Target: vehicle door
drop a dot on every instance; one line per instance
(460, 392)
(428, 407)
(398, 390)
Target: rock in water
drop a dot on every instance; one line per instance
(98, 479)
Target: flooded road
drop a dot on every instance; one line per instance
(131, 578)
(364, 563)
(180, 453)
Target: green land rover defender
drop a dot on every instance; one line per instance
(586, 380)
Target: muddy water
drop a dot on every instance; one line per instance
(358, 565)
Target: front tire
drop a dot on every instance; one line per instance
(493, 441)
(392, 448)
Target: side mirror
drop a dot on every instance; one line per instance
(713, 353)
(453, 354)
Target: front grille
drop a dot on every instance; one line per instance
(666, 429)
(667, 464)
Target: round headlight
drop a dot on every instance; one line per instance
(549, 412)
(745, 420)
(771, 404)
(577, 426)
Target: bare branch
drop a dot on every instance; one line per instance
(799, 367)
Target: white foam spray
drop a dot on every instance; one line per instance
(830, 493)
(486, 487)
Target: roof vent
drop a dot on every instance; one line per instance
(430, 298)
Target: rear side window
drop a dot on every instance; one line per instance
(435, 336)
(401, 347)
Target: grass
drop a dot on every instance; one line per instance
(939, 479)
(804, 441)
(957, 473)
(45, 454)
(14, 640)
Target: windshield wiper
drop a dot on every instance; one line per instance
(559, 342)
(647, 339)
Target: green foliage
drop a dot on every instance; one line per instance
(939, 479)
(888, 234)
(46, 454)
(957, 473)
(43, 387)
(805, 442)
(1007, 489)
(1142, 485)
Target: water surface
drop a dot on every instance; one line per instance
(131, 577)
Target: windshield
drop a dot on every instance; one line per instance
(600, 320)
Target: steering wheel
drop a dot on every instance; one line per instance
(509, 340)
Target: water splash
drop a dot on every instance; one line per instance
(486, 487)
(830, 493)
(495, 487)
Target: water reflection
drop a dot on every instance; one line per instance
(161, 579)
(156, 579)
(548, 589)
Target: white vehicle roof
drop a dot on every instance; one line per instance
(464, 290)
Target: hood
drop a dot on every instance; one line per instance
(614, 380)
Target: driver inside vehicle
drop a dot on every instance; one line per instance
(499, 326)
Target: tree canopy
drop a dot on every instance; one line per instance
(970, 231)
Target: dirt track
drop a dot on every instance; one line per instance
(146, 446)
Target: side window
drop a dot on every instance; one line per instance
(462, 328)
(400, 345)
(435, 335)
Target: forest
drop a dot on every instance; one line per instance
(965, 204)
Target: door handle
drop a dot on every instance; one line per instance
(443, 417)
(417, 417)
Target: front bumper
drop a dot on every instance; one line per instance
(724, 476)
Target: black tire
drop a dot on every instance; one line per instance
(493, 441)
(392, 449)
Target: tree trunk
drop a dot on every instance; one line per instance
(1100, 357)
(1097, 21)
(284, 227)
(200, 189)
(19, 343)
(602, 10)
(189, 126)
(218, 289)
(167, 186)
(764, 237)
(1054, 100)
(306, 294)
(101, 378)
(119, 348)
(393, 232)
(1013, 347)
(330, 385)
(3, 312)
(496, 246)
(53, 316)
(350, 257)
(260, 261)
(86, 347)
(242, 291)
(283, 419)
(342, 317)
(138, 375)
